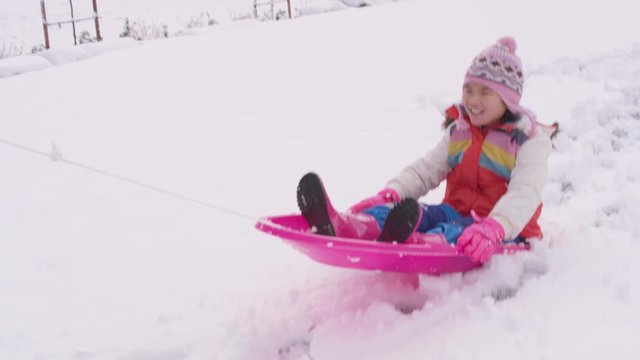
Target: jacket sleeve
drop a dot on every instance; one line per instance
(424, 174)
(516, 207)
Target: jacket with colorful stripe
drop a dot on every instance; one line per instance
(497, 171)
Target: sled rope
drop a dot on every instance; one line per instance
(56, 156)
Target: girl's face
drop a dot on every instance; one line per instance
(484, 106)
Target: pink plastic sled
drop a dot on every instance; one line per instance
(428, 258)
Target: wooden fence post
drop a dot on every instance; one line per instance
(73, 23)
(45, 26)
(95, 14)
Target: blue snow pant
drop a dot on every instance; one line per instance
(436, 219)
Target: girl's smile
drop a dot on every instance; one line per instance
(484, 106)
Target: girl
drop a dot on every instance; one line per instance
(493, 155)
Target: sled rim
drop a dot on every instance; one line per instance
(268, 225)
(429, 258)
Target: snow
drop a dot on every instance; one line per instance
(45, 59)
(22, 64)
(22, 32)
(96, 268)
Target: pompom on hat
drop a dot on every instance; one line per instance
(499, 68)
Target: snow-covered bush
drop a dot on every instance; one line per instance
(11, 49)
(200, 21)
(356, 3)
(142, 30)
(281, 14)
(86, 37)
(37, 48)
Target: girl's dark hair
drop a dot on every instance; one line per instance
(510, 117)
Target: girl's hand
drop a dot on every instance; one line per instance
(479, 240)
(385, 196)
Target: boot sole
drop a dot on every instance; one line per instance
(312, 202)
(401, 222)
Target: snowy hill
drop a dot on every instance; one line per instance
(21, 20)
(92, 267)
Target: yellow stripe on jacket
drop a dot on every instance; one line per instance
(456, 147)
(498, 155)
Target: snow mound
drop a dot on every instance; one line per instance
(22, 64)
(319, 6)
(53, 57)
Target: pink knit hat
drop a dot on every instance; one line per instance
(499, 68)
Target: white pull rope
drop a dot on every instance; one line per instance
(56, 155)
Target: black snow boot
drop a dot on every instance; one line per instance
(402, 221)
(314, 204)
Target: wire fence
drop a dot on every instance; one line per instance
(72, 20)
(271, 4)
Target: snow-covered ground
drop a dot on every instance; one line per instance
(21, 20)
(94, 268)
(22, 44)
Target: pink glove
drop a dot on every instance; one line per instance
(479, 240)
(385, 196)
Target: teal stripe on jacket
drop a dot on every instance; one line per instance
(495, 167)
(455, 159)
